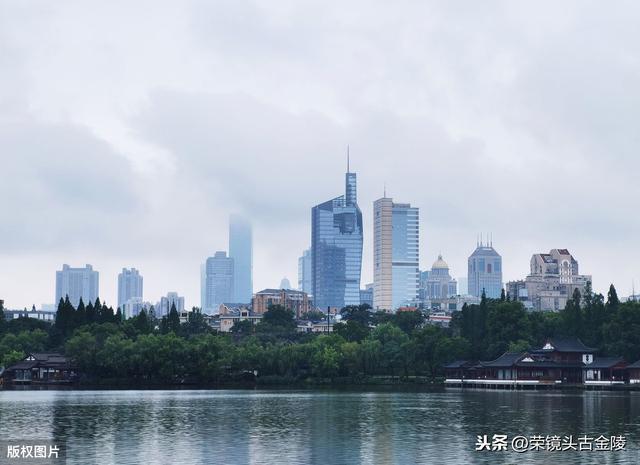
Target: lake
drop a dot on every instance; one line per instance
(377, 426)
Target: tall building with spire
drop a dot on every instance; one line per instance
(396, 251)
(485, 271)
(336, 248)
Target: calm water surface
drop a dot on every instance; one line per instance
(315, 427)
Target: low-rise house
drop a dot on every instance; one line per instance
(227, 321)
(41, 368)
(297, 302)
(314, 327)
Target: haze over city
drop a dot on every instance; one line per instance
(129, 146)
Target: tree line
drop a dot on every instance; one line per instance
(366, 346)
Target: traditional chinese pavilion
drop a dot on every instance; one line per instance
(558, 362)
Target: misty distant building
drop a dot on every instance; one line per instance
(396, 240)
(241, 251)
(219, 282)
(485, 271)
(164, 306)
(305, 283)
(129, 286)
(336, 249)
(77, 283)
(285, 283)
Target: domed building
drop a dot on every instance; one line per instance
(440, 284)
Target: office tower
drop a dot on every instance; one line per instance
(305, 283)
(241, 251)
(396, 238)
(129, 286)
(219, 287)
(336, 249)
(485, 271)
(440, 284)
(77, 283)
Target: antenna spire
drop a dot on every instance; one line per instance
(384, 192)
(348, 159)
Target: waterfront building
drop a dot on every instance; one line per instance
(485, 271)
(560, 362)
(305, 283)
(219, 285)
(553, 278)
(129, 286)
(336, 249)
(440, 284)
(77, 283)
(296, 301)
(241, 251)
(396, 239)
(163, 307)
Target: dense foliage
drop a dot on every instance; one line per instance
(366, 346)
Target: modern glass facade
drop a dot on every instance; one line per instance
(241, 250)
(485, 272)
(218, 282)
(336, 249)
(396, 253)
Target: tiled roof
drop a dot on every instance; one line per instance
(507, 359)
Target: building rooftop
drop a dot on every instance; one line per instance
(572, 344)
(485, 251)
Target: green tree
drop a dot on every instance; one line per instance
(351, 330)
(507, 322)
(392, 340)
(408, 321)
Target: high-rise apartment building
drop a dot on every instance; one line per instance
(77, 283)
(129, 286)
(396, 251)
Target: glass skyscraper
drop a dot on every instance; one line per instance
(336, 249)
(485, 271)
(241, 250)
(396, 239)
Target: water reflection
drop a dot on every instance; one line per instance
(315, 427)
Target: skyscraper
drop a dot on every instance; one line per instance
(77, 283)
(485, 271)
(218, 281)
(305, 283)
(241, 251)
(396, 242)
(336, 249)
(129, 286)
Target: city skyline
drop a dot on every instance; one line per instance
(138, 159)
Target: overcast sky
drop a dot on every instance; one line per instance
(129, 131)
